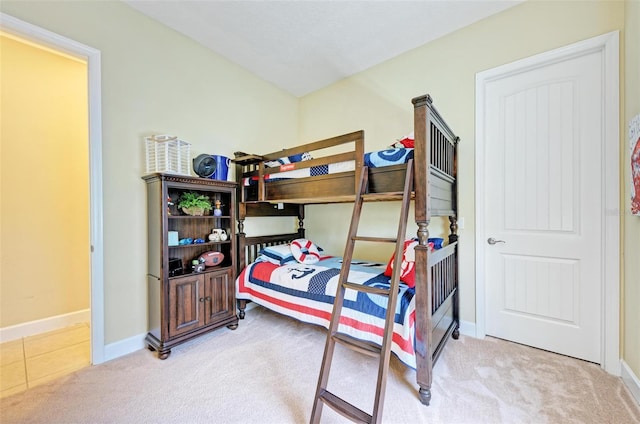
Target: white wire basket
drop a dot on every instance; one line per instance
(168, 154)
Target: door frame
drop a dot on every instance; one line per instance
(92, 56)
(608, 45)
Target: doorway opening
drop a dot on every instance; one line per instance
(91, 56)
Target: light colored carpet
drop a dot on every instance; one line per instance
(266, 372)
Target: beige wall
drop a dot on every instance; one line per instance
(631, 247)
(44, 225)
(155, 80)
(379, 101)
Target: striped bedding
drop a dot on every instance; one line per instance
(377, 159)
(306, 293)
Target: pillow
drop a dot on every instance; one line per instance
(408, 270)
(278, 255)
(407, 142)
(435, 243)
(305, 252)
(288, 159)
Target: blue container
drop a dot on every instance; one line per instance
(437, 242)
(222, 167)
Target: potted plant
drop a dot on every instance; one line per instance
(194, 204)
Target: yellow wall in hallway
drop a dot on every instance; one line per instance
(44, 178)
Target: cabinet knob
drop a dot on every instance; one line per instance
(208, 298)
(201, 299)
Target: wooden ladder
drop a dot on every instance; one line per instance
(323, 396)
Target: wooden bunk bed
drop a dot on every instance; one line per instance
(434, 194)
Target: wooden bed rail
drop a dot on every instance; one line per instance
(253, 165)
(441, 149)
(444, 275)
(356, 137)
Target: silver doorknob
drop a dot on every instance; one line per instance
(493, 241)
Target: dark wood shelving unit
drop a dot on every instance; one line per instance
(185, 304)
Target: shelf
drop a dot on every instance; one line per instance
(197, 217)
(219, 268)
(209, 243)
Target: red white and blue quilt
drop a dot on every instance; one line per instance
(306, 292)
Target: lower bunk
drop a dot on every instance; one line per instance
(274, 278)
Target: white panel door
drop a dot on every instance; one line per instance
(543, 205)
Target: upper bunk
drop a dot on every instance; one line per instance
(328, 171)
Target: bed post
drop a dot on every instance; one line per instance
(453, 219)
(301, 230)
(242, 252)
(422, 130)
(359, 160)
(453, 237)
(453, 226)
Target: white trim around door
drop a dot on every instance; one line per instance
(608, 45)
(92, 56)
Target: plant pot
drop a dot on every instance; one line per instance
(193, 211)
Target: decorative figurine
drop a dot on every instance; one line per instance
(169, 204)
(217, 211)
(218, 234)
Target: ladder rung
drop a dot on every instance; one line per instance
(361, 346)
(376, 239)
(345, 408)
(383, 291)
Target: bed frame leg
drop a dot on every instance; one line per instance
(425, 395)
(456, 334)
(242, 305)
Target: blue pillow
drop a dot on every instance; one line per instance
(277, 255)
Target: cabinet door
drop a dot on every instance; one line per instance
(220, 296)
(186, 297)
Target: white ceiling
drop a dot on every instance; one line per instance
(302, 46)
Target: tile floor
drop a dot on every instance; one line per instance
(34, 360)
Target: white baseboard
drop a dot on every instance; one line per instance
(132, 344)
(32, 328)
(468, 328)
(124, 347)
(631, 381)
